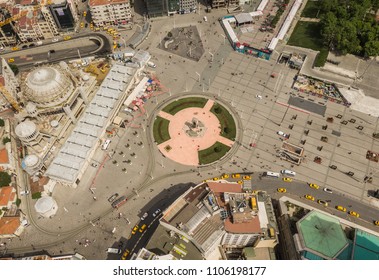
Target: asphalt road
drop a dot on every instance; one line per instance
(81, 46)
(299, 189)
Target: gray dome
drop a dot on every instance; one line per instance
(25, 129)
(47, 85)
(46, 206)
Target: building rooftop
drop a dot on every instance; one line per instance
(9, 225)
(322, 234)
(70, 160)
(6, 194)
(4, 156)
(92, 3)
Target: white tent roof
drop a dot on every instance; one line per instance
(71, 158)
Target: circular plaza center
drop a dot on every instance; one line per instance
(194, 131)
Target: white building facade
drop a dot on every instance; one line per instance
(105, 12)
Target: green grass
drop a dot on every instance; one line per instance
(228, 126)
(184, 103)
(213, 153)
(36, 195)
(307, 35)
(160, 130)
(311, 9)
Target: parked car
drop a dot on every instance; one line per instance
(55, 40)
(236, 175)
(281, 133)
(134, 230)
(24, 192)
(247, 177)
(376, 223)
(286, 179)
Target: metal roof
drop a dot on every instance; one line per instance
(68, 163)
(322, 234)
(243, 18)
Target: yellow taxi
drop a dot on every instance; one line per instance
(286, 179)
(84, 13)
(66, 38)
(15, 49)
(135, 229)
(11, 60)
(82, 24)
(314, 186)
(322, 202)
(281, 190)
(341, 208)
(309, 197)
(354, 214)
(142, 229)
(236, 175)
(216, 179)
(247, 177)
(114, 46)
(225, 176)
(376, 223)
(97, 29)
(240, 182)
(125, 254)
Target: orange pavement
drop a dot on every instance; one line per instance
(184, 149)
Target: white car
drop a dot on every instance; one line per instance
(258, 96)
(281, 133)
(24, 192)
(328, 190)
(156, 212)
(55, 40)
(144, 216)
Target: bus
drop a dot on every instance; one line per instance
(106, 144)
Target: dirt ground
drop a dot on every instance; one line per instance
(183, 41)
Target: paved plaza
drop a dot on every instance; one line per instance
(134, 166)
(183, 148)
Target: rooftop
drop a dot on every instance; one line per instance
(6, 194)
(322, 234)
(70, 160)
(9, 225)
(92, 3)
(4, 156)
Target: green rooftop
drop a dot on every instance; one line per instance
(322, 234)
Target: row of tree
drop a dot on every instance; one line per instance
(350, 26)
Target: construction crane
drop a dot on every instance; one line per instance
(14, 18)
(10, 98)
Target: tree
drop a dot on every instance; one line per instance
(2, 123)
(6, 140)
(14, 68)
(371, 48)
(5, 179)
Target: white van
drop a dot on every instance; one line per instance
(288, 172)
(272, 174)
(205, 19)
(151, 64)
(114, 251)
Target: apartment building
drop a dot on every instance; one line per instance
(9, 81)
(106, 12)
(187, 6)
